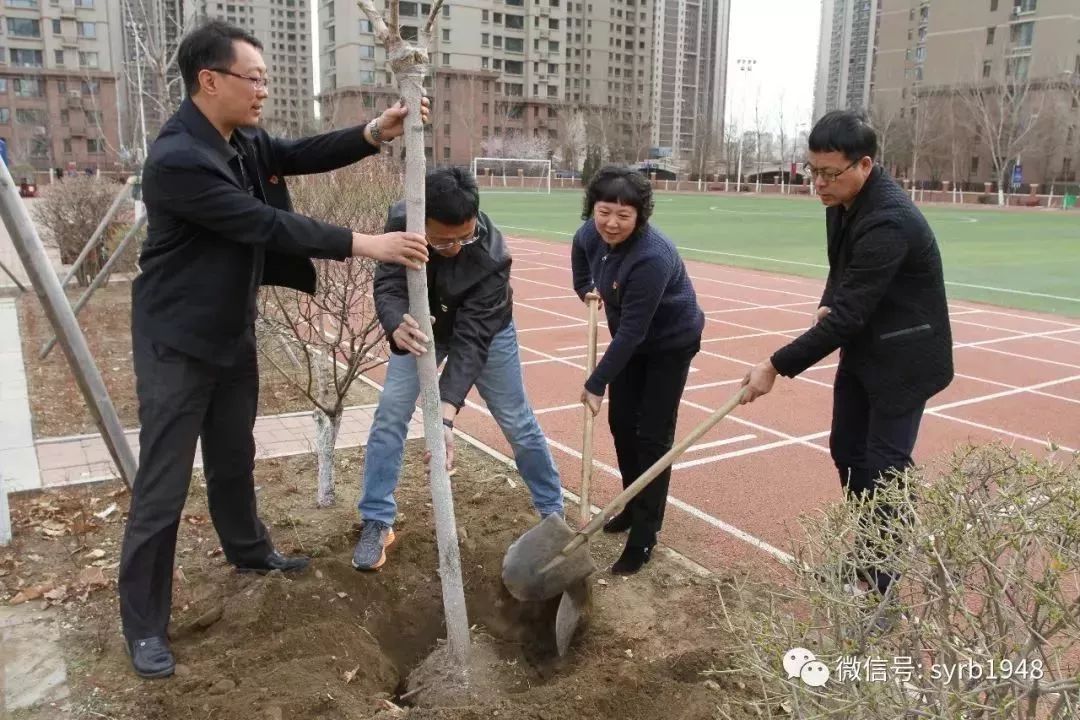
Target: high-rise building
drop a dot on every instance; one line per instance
(689, 76)
(518, 78)
(845, 55)
(58, 100)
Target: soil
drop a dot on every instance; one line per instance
(336, 644)
(56, 405)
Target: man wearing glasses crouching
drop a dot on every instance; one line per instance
(470, 298)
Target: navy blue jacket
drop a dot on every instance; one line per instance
(649, 300)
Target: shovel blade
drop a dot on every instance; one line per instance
(525, 566)
(572, 608)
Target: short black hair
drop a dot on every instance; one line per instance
(452, 195)
(623, 185)
(844, 131)
(210, 45)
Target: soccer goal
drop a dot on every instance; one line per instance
(512, 174)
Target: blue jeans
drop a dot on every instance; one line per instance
(503, 389)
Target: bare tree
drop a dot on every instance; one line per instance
(323, 342)
(152, 30)
(1004, 108)
(409, 61)
(571, 146)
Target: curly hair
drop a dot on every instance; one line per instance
(623, 185)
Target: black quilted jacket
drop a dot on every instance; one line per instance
(886, 292)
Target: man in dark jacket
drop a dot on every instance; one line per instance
(472, 305)
(220, 225)
(884, 308)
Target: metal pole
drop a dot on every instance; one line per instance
(28, 244)
(14, 279)
(99, 279)
(5, 516)
(98, 232)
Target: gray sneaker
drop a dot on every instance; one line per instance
(370, 551)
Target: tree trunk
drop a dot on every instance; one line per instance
(1001, 185)
(326, 431)
(457, 624)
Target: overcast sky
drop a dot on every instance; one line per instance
(782, 35)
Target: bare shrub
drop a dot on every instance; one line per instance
(983, 624)
(69, 211)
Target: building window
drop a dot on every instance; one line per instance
(365, 26)
(446, 58)
(23, 27)
(5, 116)
(515, 45)
(446, 35)
(367, 77)
(987, 68)
(28, 87)
(993, 5)
(86, 29)
(1022, 34)
(990, 35)
(974, 169)
(95, 146)
(58, 57)
(27, 58)
(27, 116)
(88, 59)
(367, 51)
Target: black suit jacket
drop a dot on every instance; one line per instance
(470, 298)
(886, 292)
(210, 244)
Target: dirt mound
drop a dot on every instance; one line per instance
(336, 644)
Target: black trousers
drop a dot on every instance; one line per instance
(180, 400)
(643, 406)
(866, 445)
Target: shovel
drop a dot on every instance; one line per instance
(576, 599)
(550, 558)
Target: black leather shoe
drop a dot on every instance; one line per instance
(277, 561)
(632, 559)
(618, 524)
(151, 658)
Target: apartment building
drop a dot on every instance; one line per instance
(1017, 56)
(284, 27)
(846, 51)
(513, 76)
(58, 94)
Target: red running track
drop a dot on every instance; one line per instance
(736, 495)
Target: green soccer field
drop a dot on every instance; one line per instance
(1028, 260)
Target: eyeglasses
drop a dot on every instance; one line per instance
(260, 83)
(828, 174)
(467, 240)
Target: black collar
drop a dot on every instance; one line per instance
(867, 189)
(202, 129)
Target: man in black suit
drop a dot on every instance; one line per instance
(220, 225)
(884, 308)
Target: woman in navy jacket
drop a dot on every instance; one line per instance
(655, 324)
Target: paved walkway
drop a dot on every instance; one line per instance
(18, 456)
(85, 458)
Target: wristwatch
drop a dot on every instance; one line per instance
(375, 130)
(448, 423)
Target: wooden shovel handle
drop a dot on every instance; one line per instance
(617, 504)
(587, 440)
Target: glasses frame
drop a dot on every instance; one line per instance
(831, 175)
(260, 83)
(458, 241)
